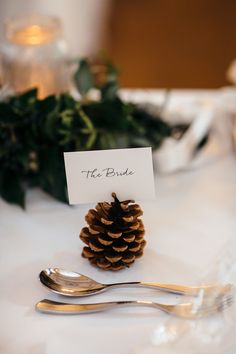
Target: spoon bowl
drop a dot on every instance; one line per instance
(69, 283)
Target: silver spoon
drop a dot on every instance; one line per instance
(75, 284)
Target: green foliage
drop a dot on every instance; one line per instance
(34, 133)
(83, 77)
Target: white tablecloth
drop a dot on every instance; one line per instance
(188, 228)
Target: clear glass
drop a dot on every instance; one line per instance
(34, 54)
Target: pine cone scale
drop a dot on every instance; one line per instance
(129, 238)
(114, 234)
(128, 258)
(95, 246)
(87, 252)
(120, 248)
(113, 258)
(134, 247)
(106, 222)
(104, 240)
(139, 238)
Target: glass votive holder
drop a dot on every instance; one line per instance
(34, 54)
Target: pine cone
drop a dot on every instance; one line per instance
(115, 235)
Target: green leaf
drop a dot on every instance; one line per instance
(66, 117)
(52, 173)
(107, 141)
(109, 91)
(23, 102)
(112, 72)
(28, 97)
(91, 140)
(11, 188)
(7, 115)
(47, 106)
(87, 121)
(140, 142)
(83, 77)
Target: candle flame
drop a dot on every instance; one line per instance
(33, 35)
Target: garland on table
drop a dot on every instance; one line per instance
(34, 133)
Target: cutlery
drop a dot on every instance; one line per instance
(75, 284)
(189, 310)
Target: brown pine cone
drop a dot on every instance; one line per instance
(115, 235)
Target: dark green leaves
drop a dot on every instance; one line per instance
(34, 133)
(52, 174)
(11, 187)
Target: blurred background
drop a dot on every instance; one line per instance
(155, 43)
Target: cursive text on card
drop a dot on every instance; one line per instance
(107, 172)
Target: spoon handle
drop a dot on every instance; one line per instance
(170, 288)
(174, 288)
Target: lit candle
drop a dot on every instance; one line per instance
(34, 55)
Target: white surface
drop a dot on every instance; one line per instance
(187, 229)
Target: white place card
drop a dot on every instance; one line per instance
(93, 175)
